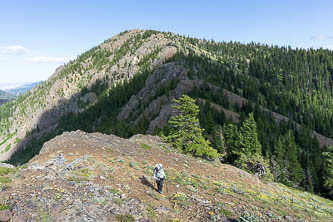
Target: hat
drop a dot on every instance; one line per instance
(159, 166)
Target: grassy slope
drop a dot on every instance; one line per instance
(226, 189)
(235, 190)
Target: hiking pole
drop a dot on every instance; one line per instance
(166, 184)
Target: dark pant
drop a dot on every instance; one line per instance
(159, 185)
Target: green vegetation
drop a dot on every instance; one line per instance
(294, 83)
(145, 146)
(4, 178)
(186, 133)
(7, 138)
(22, 156)
(17, 140)
(328, 168)
(4, 206)
(290, 170)
(133, 164)
(244, 148)
(4, 171)
(7, 148)
(151, 214)
(125, 218)
(259, 200)
(81, 175)
(180, 199)
(113, 190)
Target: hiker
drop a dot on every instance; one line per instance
(159, 176)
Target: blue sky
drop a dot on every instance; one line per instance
(38, 36)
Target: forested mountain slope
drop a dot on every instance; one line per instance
(126, 86)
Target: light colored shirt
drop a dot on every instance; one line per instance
(159, 174)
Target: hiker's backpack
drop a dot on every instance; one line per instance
(159, 173)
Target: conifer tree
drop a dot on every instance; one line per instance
(248, 138)
(328, 168)
(186, 133)
(219, 138)
(279, 153)
(231, 136)
(277, 166)
(296, 174)
(209, 119)
(248, 150)
(231, 140)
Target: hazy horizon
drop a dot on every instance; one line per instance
(6, 86)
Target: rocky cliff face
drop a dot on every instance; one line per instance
(95, 177)
(158, 106)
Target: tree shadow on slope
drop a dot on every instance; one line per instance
(100, 117)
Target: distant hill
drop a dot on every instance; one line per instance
(10, 94)
(5, 97)
(22, 89)
(3, 101)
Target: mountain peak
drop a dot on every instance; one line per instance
(111, 63)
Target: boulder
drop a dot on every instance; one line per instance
(5, 215)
